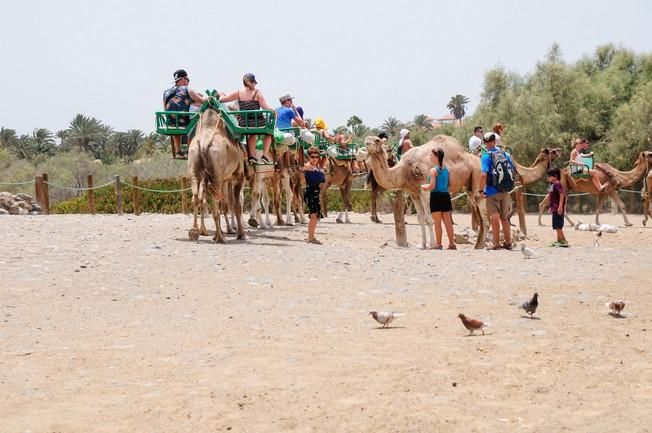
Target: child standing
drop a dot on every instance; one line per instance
(440, 199)
(557, 206)
(314, 178)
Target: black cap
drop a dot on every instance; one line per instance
(251, 77)
(179, 74)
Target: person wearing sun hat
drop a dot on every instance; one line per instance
(404, 143)
(250, 98)
(179, 98)
(287, 113)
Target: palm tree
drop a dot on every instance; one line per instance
(391, 126)
(457, 106)
(43, 142)
(88, 134)
(422, 121)
(7, 137)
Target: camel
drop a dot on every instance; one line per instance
(617, 179)
(341, 175)
(646, 193)
(532, 174)
(376, 189)
(410, 172)
(215, 165)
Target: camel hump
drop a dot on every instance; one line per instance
(605, 168)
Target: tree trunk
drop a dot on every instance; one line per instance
(398, 204)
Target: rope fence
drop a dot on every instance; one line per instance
(42, 184)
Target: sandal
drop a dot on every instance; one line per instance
(496, 247)
(438, 247)
(452, 247)
(252, 160)
(507, 246)
(314, 241)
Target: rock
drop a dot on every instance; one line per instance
(24, 197)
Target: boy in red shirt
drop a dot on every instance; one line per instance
(557, 206)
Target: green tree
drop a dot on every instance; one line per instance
(43, 142)
(391, 126)
(422, 122)
(88, 134)
(7, 137)
(457, 106)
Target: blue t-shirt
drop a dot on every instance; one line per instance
(284, 116)
(489, 189)
(441, 181)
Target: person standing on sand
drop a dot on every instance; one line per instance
(314, 178)
(440, 199)
(557, 200)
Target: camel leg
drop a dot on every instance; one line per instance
(373, 199)
(265, 223)
(520, 209)
(346, 196)
(276, 199)
(227, 207)
(598, 206)
(543, 205)
(193, 233)
(621, 206)
(647, 208)
(203, 194)
(289, 196)
(238, 205)
(423, 216)
(219, 236)
(255, 200)
(476, 212)
(322, 198)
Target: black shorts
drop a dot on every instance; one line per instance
(311, 197)
(557, 221)
(440, 202)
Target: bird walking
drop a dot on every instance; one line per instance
(596, 242)
(384, 317)
(530, 306)
(472, 324)
(527, 251)
(616, 308)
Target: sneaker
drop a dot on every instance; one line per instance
(562, 243)
(265, 160)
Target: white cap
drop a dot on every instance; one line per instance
(404, 132)
(489, 136)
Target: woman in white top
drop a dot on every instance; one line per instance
(577, 159)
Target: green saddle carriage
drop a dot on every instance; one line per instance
(581, 171)
(239, 123)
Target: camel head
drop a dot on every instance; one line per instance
(373, 144)
(647, 156)
(548, 154)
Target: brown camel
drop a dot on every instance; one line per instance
(214, 162)
(616, 179)
(530, 175)
(410, 172)
(376, 189)
(646, 193)
(340, 174)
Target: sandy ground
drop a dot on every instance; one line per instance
(120, 324)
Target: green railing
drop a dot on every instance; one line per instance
(238, 123)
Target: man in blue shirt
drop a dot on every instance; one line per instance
(286, 113)
(498, 203)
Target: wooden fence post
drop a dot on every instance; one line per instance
(91, 195)
(399, 219)
(135, 195)
(118, 193)
(38, 190)
(184, 199)
(46, 194)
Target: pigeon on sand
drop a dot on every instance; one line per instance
(530, 306)
(473, 324)
(384, 317)
(527, 251)
(616, 308)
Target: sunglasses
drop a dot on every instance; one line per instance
(314, 157)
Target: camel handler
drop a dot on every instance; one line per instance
(179, 98)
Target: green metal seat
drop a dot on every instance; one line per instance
(582, 171)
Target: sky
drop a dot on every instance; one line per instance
(112, 59)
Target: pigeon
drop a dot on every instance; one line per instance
(530, 306)
(596, 242)
(472, 324)
(527, 252)
(616, 308)
(384, 317)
